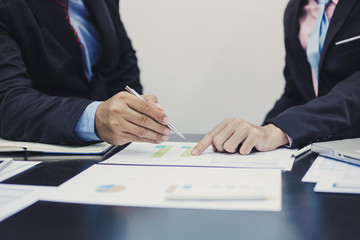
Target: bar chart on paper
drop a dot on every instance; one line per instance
(174, 187)
(110, 188)
(179, 154)
(163, 149)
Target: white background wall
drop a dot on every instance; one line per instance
(209, 59)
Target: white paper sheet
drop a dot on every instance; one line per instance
(14, 198)
(333, 176)
(179, 154)
(328, 170)
(148, 186)
(15, 168)
(338, 187)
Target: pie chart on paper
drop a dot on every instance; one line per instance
(110, 188)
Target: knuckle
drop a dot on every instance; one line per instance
(141, 132)
(229, 119)
(113, 109)
(114, 124)
(246, 127)
(144, 120)
(144, 106)
(245, 131)
(122, 95)
(138, 139)
(153, 98)
(238, 121)
(257, 134)
(211, 134)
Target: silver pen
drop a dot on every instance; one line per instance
(302, 151)
(4, 163)
(170, 125)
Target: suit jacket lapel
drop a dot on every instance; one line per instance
(102, 17)
(52, 17)
(341, 13)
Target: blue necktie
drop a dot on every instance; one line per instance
(317, 40)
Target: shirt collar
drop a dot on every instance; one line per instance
(334, 1)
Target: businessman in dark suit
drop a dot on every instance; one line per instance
(63, 67)
(321, 100)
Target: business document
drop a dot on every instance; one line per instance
(155, 186)
(179, 154)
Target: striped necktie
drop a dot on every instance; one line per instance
(316, 42)
(64, 5)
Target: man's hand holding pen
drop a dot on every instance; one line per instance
(126, 118)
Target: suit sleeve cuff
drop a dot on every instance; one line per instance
(85, 127)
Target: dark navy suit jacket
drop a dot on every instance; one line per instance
(335, 114)
(43, 89)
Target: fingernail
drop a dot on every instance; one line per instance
(167, 131)
(194, 151)
(166, 120)
(165, 138)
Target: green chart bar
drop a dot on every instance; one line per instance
(163, 149)
(187, 152)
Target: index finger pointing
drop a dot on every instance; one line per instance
(208, 139)
(202, 145)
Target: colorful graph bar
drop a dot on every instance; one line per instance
(110, 188)
(187, 152)
(163, 149)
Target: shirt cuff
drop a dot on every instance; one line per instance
(85, 127)
(290, 141)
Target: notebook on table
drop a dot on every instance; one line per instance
(17, 146)
(347, 150)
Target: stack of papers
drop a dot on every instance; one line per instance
(14, 198)
(333, 176)
(175, 187)
(16, 167)
(167, 175)
(164, 175)
(179, 154)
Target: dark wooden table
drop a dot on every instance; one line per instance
(305, 214)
